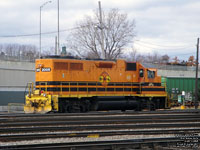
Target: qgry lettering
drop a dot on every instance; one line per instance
(46, 69)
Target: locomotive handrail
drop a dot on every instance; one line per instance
(61, 83)
(140, 87)
(30, 88)
(40, 83)
(96, 87)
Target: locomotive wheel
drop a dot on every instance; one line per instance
(82, 108)
(139, 107)
(73, 109)
(62, 108)
(151, 106)
(87, 105)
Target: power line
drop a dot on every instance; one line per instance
(158, 44)
(170, 49)
(36, 34)
(164, 48)
(183, 54)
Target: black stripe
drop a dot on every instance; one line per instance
(153, 89)
(127, 89)
(110, 89)
(65, 89)
(111, 84)
(127, 84)
(53, 83)
(135, 84)
(82, 89)
(53, 89)
(119, 84)
(73, 83)
(102, 89)
(135, 89)
(91, 89)
(119, 89)
(92, 84)
(65, 83)
(82, 83)
(97, 83)
(154, 84)
(73, 89)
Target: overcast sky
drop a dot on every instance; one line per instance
(163, 26)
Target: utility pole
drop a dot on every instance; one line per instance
(56, 45)
(40, 43)
(40, 32)
(58, 49)
(196, 80)
(102, 36)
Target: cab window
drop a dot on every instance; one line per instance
(141, 72)
(151, 74)
(131, 67)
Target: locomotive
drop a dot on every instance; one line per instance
(64, 84)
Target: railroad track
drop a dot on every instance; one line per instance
(12, 115)
(50, 120)
(23, 127)
(96, 120)
(148, 143)
(21, 137)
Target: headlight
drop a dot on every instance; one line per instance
(44, 95)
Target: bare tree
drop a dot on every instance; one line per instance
(130, 54)
(156, 58)
(140, 58)
(191, 61)
(165, 58)
(175, 61)
(18, 52)
(133, 54)
(117, 30)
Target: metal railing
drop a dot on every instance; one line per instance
(44, 85)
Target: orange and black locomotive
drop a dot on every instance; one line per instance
(74, 85)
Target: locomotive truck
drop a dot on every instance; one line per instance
(64, 84)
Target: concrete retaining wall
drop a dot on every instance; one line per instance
(14, 77)
(174, 73)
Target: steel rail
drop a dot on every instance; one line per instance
(21, 137)
(96, 121)
(101, 113)
(102, 117)
(97, 127)
(132, 143)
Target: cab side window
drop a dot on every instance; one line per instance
(151, 74)
(141, 72)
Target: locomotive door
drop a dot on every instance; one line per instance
(141, 76)
(141, 79)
